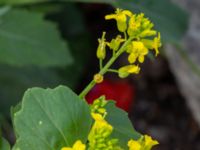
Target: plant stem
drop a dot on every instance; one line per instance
(100, 64)
(112, 70)
(105, 68)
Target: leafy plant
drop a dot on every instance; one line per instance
(29, 40)
(34, 54)
(60, 119)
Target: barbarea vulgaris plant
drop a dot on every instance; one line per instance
(58, 119)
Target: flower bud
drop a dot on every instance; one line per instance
(98, 78)
(101, 50)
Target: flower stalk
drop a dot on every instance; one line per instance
(106, 67)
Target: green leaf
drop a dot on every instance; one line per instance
(27, 39)
(14, 82)
(50, 119)
(123, 128)
(171, 22)
(4, 145)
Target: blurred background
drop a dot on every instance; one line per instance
(50, 42)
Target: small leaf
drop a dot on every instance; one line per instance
(50, 119)
(123, 128)
(27, 39)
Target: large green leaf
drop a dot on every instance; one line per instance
(171, 22)
(51, 118)
(4, 145)
(123, 128)
(27, 39)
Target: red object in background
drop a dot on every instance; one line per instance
(120, 91)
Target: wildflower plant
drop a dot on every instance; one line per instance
(59, 119)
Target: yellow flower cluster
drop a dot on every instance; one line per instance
(98, 106)
(99, 136)
(139, 38)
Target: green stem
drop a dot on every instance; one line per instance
(112, 70)
(125, 35)
(100, 64)
(105, 68)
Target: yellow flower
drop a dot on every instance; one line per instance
(115, 43)
(137, 50)
(157, 44)
(78, 145)
(149, 142)
(153, 44)
(123, 72)
(139, 26)
(100, 122)
(134, 26)
(134, 145)
(101, 50)
(99, 136)
(121, 17)
(144, 143)
(98, 78)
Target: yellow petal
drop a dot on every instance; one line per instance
(111, 16)
(79, 146)
(127, 12)
(149, 142)
(134, 145)
(141, 59)
(66, 148)
(133, 69)
(132, 58)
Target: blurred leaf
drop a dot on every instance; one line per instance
(168, 18)
(4, 145)
(14, 81)
(27, 39)
(73, 28)
(51, 119)
(123, 128)
(171, 22)
(15, 2)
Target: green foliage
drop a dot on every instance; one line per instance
(4, 145)
(14, 81)
(53, 118)
(171, 22)
(50, 119)
(123, 128)
(27, 39)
